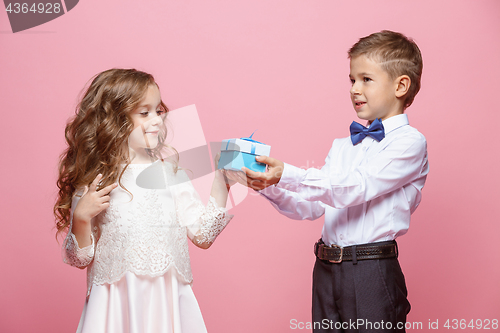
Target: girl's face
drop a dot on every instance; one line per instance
(147, 118)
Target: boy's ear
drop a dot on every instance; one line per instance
(403, 85)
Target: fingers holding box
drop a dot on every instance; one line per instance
(261, 180)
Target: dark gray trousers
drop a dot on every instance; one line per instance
(369, 296)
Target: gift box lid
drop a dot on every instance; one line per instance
(246, 145)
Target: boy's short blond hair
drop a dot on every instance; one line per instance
(396, 54)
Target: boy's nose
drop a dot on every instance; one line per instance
(354, 90)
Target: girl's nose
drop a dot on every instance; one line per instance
(156, 120)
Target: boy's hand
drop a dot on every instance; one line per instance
(259, 180)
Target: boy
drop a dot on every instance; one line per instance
(369, 186)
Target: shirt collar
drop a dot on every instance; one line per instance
(394, 122)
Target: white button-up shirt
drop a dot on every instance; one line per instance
(366, 191)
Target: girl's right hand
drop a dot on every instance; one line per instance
(92, 202)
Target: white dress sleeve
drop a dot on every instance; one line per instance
(72, 254)
(204, 223)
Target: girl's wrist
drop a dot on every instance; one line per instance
(220, 179)
(77, 220)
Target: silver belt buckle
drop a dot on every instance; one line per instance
(341, 254)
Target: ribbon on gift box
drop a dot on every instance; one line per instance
(252, 140)
(253, 146)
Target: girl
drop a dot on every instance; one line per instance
(128, 211)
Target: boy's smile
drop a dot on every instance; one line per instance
(373, 92)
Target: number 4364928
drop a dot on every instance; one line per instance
(479, 324)
(40, 8)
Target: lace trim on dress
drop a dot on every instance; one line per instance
(74, 255)
(213, 220)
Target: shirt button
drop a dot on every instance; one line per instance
(341, 237)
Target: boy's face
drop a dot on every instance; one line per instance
(373, 93)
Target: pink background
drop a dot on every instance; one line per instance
(279, 66)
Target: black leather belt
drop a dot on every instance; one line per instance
(337, 254)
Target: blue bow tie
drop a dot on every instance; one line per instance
(359, 132)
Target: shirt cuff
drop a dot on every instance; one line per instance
(291, 178)
(271, 192)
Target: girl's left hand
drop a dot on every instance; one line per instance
(93, 201)
(219, 174)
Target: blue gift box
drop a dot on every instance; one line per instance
(238, 153)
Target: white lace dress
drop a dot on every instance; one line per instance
(138, 269)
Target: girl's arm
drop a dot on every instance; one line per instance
(78, 247)
(215, 217)
(204, 223)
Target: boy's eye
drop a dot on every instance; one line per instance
(352, 81)
(366, 79)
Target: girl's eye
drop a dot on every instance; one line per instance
(144, 114)
(160, 112)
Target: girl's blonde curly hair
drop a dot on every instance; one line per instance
(97, 136)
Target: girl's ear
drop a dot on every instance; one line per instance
(403, 85)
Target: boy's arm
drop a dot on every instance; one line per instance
(288, 203)
(400, 163)
(292, 205)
